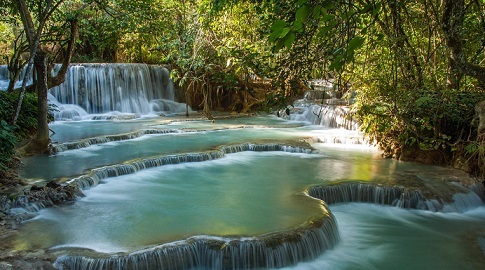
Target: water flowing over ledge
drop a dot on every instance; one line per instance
(49, 196)
(270, 250)
(398, 196)
(61, 147)
(126, 88)
(97, 175)
(331, 116)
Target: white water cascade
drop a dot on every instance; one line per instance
(327, 115)
(112, 89)
(124, 88)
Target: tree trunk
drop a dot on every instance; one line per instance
(207, 109)
(40, 143)
(42, 136)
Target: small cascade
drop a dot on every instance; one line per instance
(5, 79)
(377, 194)
(97, 175)
(331, 116)
(20, 202)
(463, 202)
(393, 196)
(265, 147)
(271, 250)
(125, 88)
(109, 138)
(339, 139)
(470, 198)
(66, 111)
(36, 199)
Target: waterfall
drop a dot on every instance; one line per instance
(4, 78)
(396, 196)
(97, 175)
(105, 88)
(271, 250)
(276, 249)
(66, 111)
(265, 147)
(61, 147)
(126, 88)
(332, 116)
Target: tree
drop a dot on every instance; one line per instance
(415, 96)
(454, 20)
(40, 53)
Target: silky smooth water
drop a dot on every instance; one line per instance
(231, 196)
(383, 237)
(240, 194)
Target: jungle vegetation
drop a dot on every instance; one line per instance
(415, 68)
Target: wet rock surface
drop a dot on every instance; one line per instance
(18, 207)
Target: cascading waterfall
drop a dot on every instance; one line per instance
(271, 250)
(61, 147)
(97, 175)
(233, 251)
(126, 88)
(4, 79)
(397, 196)
(331, 116)
(110, 88)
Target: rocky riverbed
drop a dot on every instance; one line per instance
(33, 198)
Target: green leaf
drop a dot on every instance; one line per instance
(324, 30)
(289, 40)
(279, 24)
(337, 64)
(328, 4)
(302, 13)
(297, 26)
(284, 32)
(356, 43)
(328, 17)
(275, 35)
(279, 45)
(317, 10)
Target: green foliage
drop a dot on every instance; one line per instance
(394, 54)
(7, 144)
(27, 121)
(26, 125)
